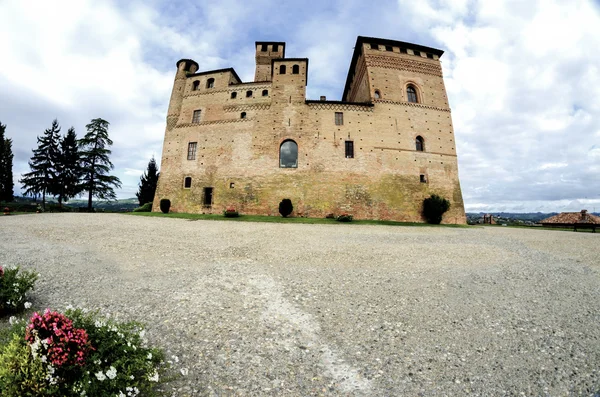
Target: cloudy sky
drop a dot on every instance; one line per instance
(523, 77)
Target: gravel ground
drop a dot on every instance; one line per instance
(299, 310)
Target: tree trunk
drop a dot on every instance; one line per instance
(44, 200)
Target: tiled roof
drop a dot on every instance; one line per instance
(572, 218)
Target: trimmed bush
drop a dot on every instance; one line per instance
(345, 218)
(165, 205)
(13, 287)
(285, 207)
(144, 208)
(434, 208)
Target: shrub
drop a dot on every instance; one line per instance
(77, 353)
(144, 208)
(230, 212)
(13, 287)
(434, 208)
(345, 218)
(165, 205)
(285, 207)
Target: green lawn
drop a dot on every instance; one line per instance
(279, 219)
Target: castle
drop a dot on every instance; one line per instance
(376, 154)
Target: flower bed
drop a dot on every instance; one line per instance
(78, 354)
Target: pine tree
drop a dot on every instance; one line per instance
(42, 177)
(6, 163)
(148, 181)
(95, 163)
(68, 169)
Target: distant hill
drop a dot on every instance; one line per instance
(512, 217)
(29, 204)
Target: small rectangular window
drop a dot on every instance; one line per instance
(389, 48)
(403, 50)
(339, 118)
(349, 149)
(430, 56)
(196, 116)
(275, 47)
(263, 47)
(417, 53)
(423, 179)
(208, 196)
(192, 150)
(374, 46)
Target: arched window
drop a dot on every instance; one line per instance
(420, 144)
(187, 182)
(288, 154)
(195, 85)
(243, 115)
(249, 94)
(377, 94)
(265, 93)
(295, 69)
(210, 83)
(233, 95)
(411, 94)
(282, 69)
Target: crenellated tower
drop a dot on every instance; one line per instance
(266, 52)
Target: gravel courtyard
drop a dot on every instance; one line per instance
(299, 310)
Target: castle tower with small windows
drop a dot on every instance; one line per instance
(376, 154)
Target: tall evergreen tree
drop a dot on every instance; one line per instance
(148, 181)
(94, 152)
(42, 177)
(68, 169)
(6, 163)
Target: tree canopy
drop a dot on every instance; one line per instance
(148, 182)
(6, 165)
(95, 162)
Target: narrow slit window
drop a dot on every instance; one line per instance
(377, 94)
(422, 178)
(196, 116)
(208, 197)
(192, 146)
(295, 69)
(339, 118)
(187, 182)
(349, 149)
(210, 83)
(282, 69)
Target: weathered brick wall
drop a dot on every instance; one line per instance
(239, 157)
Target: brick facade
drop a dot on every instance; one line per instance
(241, 127)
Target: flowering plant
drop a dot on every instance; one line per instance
(79, 354)
(231, 212)
(13, 287)
(54, 338)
